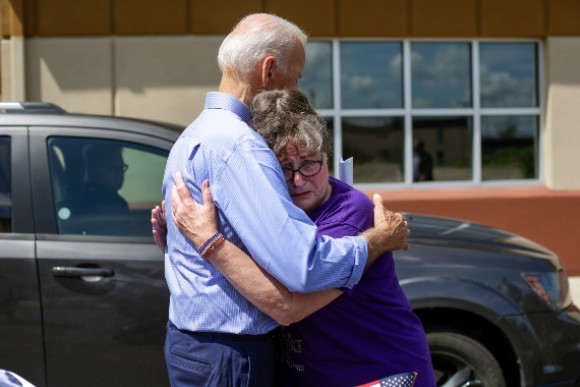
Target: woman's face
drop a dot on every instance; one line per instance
(311, 192)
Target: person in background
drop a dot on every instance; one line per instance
(422, 162)
(339, 337)
(105, 177)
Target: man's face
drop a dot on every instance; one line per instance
(307, 193)
(289, 79)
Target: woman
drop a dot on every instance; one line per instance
(338, 337)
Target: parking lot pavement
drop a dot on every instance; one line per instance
(575, 289)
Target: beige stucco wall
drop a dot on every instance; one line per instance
(158, 78)
(12, 69)
(562, 130)
(165, 78)
(5, 70)
(73, 73)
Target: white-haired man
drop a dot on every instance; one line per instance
(215, 337)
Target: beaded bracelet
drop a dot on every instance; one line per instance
(211, 244)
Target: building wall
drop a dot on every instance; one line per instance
(159, 78)
(562, 123)
(156, 60)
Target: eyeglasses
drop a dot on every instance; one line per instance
(307, 169)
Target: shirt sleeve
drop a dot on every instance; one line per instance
(252, 194)
(340, 229)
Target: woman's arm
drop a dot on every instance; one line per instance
(198, 223)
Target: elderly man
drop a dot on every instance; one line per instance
(215, 337)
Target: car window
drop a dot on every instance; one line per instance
(5, 186)
(104, 187)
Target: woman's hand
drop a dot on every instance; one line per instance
(158, 226)
(198, 222)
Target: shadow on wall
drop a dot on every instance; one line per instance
(86, 64)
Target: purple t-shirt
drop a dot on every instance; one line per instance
(367, 333)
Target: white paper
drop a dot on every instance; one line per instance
(345, 170)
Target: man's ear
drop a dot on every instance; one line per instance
(267, 71)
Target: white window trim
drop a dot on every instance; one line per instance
(407, 112)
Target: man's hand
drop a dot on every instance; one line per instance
(198, 222)
(389, 234)
(158, 226)
(393, 223)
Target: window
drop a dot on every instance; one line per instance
(105, 187)
(316, 83)
(376, 143)
(371, 75)
(430, 112)
(5, 186)
(508, 147)
(440, 75)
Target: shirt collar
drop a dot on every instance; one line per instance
(216, 100)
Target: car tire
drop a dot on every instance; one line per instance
(459, 360)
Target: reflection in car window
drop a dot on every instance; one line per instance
(5, 186)
(104, 187)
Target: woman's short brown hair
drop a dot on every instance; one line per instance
(286, 116)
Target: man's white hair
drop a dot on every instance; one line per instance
(255, 37)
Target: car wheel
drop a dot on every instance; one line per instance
(461, 361)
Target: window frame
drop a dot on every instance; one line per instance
(112, 207)
(336, 113)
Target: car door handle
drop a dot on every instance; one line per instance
(69, 271)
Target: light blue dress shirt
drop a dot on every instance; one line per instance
(256, 213)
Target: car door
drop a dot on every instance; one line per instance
(104, 296)
(21, 344)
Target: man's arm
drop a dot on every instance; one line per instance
(249, 189)
(280, 237)
(197, 221)
(390, 223)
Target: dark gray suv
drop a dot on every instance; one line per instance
(83, 300)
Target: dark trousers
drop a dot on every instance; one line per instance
(216, 359)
